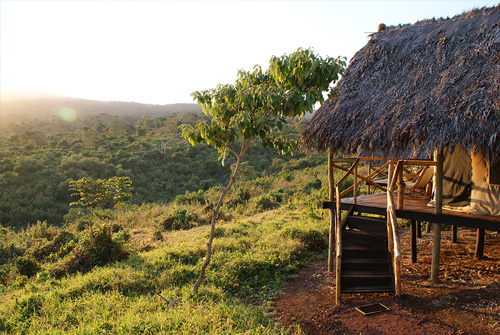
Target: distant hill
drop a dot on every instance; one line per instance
(14, 109)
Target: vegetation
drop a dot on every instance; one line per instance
(54, 281)
(136, 275)
(36, 166)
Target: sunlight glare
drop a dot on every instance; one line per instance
(67, 114)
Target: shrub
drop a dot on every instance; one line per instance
(27, 265)
(189, 197)
(179, 220)
(312, 185)
(41, 230)
(266, 203)
(313, 239)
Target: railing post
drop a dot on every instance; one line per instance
(338, 242)
(355, 189)
(401, 189)
(436, 244)
(390, 242)
(331, 183)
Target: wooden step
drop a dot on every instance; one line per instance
(368, 289)
(368, 264)
(363, 251)
(367, 223)
(365, 279)
(362, 237)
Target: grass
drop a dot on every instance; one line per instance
(255, 251)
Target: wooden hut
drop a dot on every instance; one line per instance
(416, 96)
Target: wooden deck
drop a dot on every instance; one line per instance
(415, 208)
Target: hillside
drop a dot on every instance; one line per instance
(14, 111)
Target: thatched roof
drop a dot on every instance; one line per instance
(417, 87)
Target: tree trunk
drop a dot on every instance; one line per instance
(214, 216)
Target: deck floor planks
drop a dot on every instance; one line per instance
(416, 208)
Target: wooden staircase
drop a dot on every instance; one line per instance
(366, 262)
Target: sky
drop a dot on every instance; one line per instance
(159, 52)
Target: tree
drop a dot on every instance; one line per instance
(258, 105)
(92, 194)
(96, 193)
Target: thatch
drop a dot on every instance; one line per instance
(414, 88)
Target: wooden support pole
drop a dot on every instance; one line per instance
(428, 227)
(338, 247)
(480, 243)
(438, 200)
(401, 189)
(355, 190)
(390, 241)
(369, 171)
(438, 179)
(331, 183)
(454, 235)
(419, 229)
(413, 229)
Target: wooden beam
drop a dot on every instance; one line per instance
(438, 202)
(331, 184)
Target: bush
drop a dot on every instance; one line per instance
(27, 265)
(266, 203)
(84, 256)
(313, 239)
(41, 230)
(312, 185)
(179, 220)
(189, 197)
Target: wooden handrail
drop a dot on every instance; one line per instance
(351, 160)
(347, 173)
(394, 178)
(367, 178)
(392, 218)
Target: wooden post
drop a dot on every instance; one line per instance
(338, 245)
(331, 183)
(355, 190)
(438, 200)
(390, 241)
(401, 189)
(413, 230)
(369, 171)
(480, 243)
(419, 229)
(428, 227)
(392, 222)
(454, 235)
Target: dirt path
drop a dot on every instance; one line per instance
(466, 301)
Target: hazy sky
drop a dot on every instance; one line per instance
(161, 51)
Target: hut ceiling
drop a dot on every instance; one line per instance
(417, 87)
